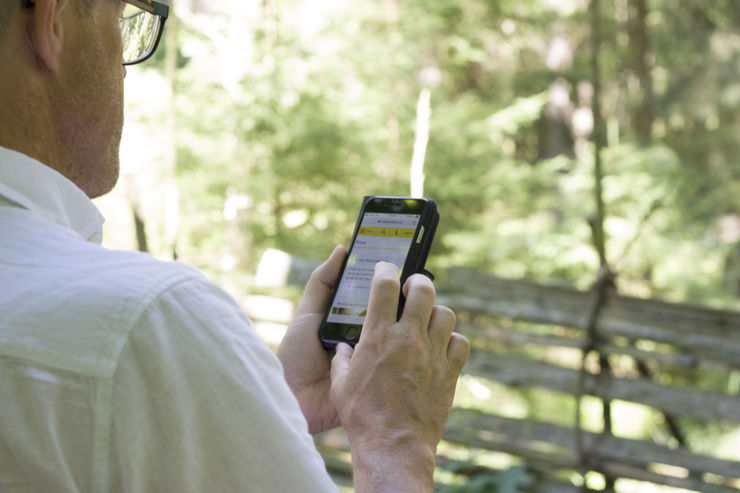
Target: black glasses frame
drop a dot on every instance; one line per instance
(152, 6)
(155, 8)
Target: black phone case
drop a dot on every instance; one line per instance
(418, 266)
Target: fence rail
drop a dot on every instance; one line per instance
(696, 332)
(505, 319)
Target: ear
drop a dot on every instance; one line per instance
(46, 33)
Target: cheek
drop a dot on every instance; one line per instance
(112, 35)
(116, 43)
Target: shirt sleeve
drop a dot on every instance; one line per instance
(200, 404)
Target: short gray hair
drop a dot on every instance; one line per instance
(7, 9)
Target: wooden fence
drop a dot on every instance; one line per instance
(678, 360)
(698, 348)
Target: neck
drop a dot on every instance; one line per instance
(26, 110)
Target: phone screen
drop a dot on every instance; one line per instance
(381, 237)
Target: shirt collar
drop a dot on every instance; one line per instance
(43, 191)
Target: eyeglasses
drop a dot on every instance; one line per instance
(142, 22)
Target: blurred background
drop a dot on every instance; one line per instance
(261, 124)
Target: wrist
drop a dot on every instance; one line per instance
(400, 463)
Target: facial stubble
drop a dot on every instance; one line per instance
(89, 112)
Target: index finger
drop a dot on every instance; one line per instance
(384, 293)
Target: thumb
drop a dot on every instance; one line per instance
(321, 283)
(340, 362)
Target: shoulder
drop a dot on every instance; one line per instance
(131, 277)
(40, 257)
(113, 283)
(74, 304)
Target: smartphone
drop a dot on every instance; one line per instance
(399, 230)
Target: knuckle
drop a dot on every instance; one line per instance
(315, 274)
(387, 283)
(411, 341)
(446, 314)
(414, 350)
(459, 349)
(423, 285)
(369, 343)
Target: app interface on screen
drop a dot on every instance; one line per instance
(381, 237)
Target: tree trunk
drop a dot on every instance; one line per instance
(140, 228)
(172, 190)
(423, 115)
(644, 113)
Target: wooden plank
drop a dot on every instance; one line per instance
(555, 445)
(623, 471)
(697, 331)
(680, 401)
(562, 439)
(514, 446)
(521, 337)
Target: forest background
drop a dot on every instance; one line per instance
(261, 124)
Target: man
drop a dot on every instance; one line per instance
(121, 373)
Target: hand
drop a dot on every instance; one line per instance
(393, 393)
(305, 362)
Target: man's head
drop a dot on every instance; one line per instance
(62, 91)
(61, 87)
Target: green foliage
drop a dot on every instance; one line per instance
(295, 115)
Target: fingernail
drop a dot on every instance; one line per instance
(388, 263)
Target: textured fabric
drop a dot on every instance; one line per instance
(122, 373)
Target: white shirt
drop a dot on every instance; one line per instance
(122, 373)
